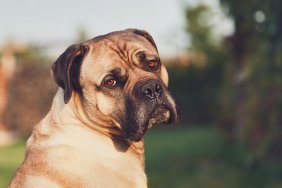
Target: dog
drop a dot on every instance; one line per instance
(112, 88)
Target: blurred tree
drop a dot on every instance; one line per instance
(255, 95)
(197, 84)
(237, 80)
(30, 90)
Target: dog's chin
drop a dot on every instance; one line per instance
(159, 115)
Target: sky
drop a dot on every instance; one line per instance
(56, 23)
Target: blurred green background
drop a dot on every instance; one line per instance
(228, 90)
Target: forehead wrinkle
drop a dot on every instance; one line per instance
(124, 54)
(127, 44)
(120, 47)
(117, 51)
(134, 59)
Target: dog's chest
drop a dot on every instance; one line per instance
(95, 161)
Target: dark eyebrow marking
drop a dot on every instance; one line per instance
(116, 71)
(142, 57)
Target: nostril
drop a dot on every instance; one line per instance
(158, 88)
(149, 92)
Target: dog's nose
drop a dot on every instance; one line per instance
(152, 89)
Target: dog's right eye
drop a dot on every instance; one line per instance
(153, 65)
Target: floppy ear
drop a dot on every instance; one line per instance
(144, 34)
(66, 69)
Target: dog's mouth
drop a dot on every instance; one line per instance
(160, 115)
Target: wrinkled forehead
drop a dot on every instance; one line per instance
(120, 43)
(118, 50)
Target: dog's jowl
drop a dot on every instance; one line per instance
(111, 90)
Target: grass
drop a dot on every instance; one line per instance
(10, 158)
(177, 157)
(197, 157)
(182, 157)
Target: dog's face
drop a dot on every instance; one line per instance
(120, 80)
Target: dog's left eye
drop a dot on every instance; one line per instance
(153, 65)
(111, 82)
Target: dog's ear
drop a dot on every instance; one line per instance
(144, 34)
(66, 69)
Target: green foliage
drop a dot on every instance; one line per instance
(196, 91)
(198, 27)
(34, 54)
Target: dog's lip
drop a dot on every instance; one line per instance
(161, 110)
(157, 108)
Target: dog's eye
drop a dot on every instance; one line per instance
(111, 82)
(153, 65)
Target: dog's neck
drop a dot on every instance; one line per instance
(73, 113)
(136, 147)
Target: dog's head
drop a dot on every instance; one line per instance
(120, 79)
